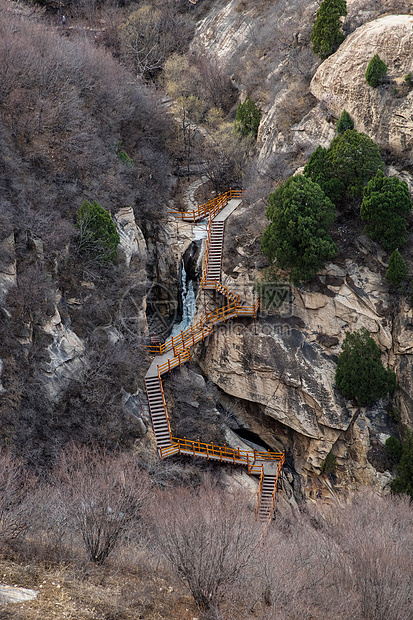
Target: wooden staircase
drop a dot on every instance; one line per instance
(267, 497)
(212, 207)
(212, 269)
(268, 485)
(159, 413)
(177, 350)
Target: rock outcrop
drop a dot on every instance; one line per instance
(66, 356)
(8, 272)
(280, 369)
(383, 113)
(132, 242)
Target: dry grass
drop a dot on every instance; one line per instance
(113, 592)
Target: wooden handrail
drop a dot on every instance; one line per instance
(223, 453)
(180, 351)
(203, 328)
(212, 206)
(259, 491)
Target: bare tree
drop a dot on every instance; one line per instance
(152, 33)
(103, 495)
(207, 537)
(375, 536)
(15, 486)
(33, 297)
(225, 156)
(341, 560)
(214, 84)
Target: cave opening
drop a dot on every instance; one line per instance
(252, 438)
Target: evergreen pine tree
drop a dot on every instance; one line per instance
(327, 35)
(360, 373)
(386, 202)
(343, 169)
(248, 118)
(298, 236)
(97, 232)
(393, 448)
(403, 483)
(376, 71)
(344, 122)
(397, 270)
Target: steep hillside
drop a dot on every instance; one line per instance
(77, 124)
(74, 126)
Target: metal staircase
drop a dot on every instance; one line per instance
(214, 254)
(177, 350)
(159, 413)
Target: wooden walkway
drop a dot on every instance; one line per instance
(177, 350)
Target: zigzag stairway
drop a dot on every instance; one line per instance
(177, 350)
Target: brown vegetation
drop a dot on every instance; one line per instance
(67, 109)
(344, 561)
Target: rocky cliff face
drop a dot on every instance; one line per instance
(383, 113)
(280, 369)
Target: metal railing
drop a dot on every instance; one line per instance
(179, 345)
(164, 404)
(213, 206)
(272, 505)
(224, 454)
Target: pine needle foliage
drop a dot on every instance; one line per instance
(403, 483)
(344, 122)
(376, 70)
(360, 373)
(97, 232)
(327, 35)
(386, 202)
(346, 166)
(248, 118)
(397, 270)
(298, 237)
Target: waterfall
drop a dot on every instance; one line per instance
(188, 298)
(188, 303)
